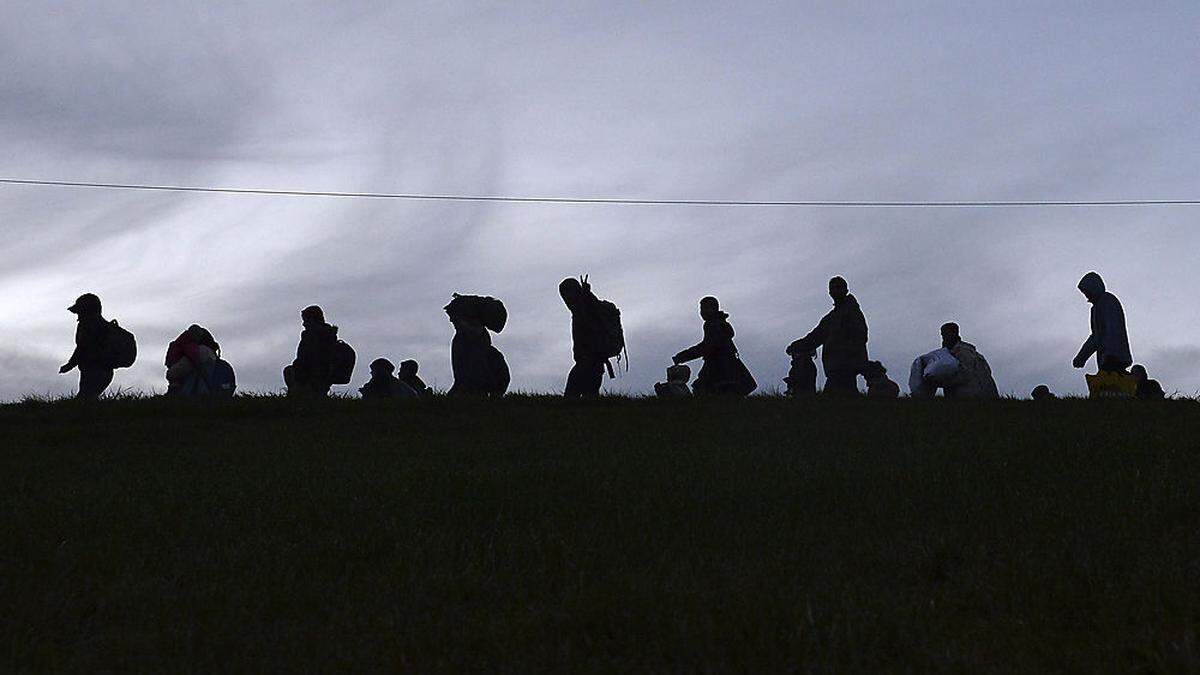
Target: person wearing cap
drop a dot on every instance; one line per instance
(842, 337)
(310, 372)
(94, 374)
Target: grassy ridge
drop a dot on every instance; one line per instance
(532, 534)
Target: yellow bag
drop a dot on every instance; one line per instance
(1111, 385)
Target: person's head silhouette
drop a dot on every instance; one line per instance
(838, 289)
(950, 336)
(312, 316)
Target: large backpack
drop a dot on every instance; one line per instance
(610, 336)
(120, 347)
(341, 363)
(222, 381)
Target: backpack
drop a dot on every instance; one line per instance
(120, 347)
(341, 363)
(222, 382)
(610, 336)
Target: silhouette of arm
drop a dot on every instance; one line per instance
(815, 338)
(1092, 344)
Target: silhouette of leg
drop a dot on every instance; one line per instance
(585, 379)
(93, 382)
(841, 382)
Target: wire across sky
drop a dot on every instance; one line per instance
(625, 201)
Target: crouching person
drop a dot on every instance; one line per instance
(957, 368)
(676, 385)
(195, 367)
(879, 385)
(801, 379)
(408, 375)
(383, 384)
(309, 373)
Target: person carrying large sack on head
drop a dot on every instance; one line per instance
(100, 347)
(842, 337)
(723, 371)
(479, 368)
(596, 337)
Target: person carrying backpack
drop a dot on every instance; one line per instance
(195, 367)
(310, 373)
(91, 348)
(596, 337)
(723, 371)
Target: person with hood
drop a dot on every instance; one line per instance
(91, 333)
(479, 368)
(842, 337)
(1147, 389)
(723, 371)
(408, 375)
(194, 351)
(1108, 340)
(974, 376)
(383, 384)
(587, 374)
(311, 371)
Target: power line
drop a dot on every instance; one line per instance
(607, 200)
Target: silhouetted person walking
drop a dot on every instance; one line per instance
(842, 337)
(1108, 340)
(723, 371)
(479, 368)
(311, 371)
(91, 341)
(587, 374)
(1147, 389)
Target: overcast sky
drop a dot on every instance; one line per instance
(756, 101)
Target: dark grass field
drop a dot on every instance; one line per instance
(533, 535)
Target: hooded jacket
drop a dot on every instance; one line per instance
(1108, 341)
(842, 336)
